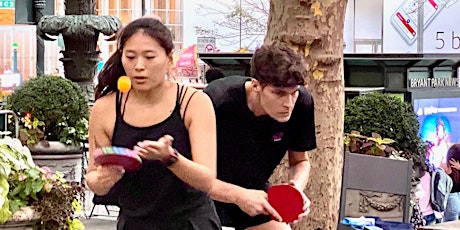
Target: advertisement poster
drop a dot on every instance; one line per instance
(391, 26)
(439, 119)
(185, 62)
(441, 27)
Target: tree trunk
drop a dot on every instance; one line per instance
(315, 29)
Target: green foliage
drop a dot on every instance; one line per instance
(56, 108)
(25, 184)
(387, 116)
(5, 212)
(32, 131)
(375, 145)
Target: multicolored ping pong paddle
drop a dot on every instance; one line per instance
(287, 201)
(114, 155)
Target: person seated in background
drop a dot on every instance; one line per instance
(424, 200)
(453, 169)
(214, 73)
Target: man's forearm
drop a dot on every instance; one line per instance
(225, 192)
(300, 173)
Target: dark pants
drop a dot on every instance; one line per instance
(430, 219)
(202, 218)
(232, 216)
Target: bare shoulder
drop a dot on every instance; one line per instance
(104, 104)
(195, 103)
(194, 97)
(103, 112)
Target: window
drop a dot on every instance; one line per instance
(170, 12)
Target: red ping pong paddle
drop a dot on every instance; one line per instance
(287, 201)
(114, 155)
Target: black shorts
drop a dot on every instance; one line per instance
(203, 217)
(232, 216)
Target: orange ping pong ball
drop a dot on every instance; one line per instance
(124, 84)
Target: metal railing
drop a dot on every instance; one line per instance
(16, 121)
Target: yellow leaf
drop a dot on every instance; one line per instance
(76, 205)
(376, 140)
(316, 9)
(318, 74)
(307, 50)
(387, 141)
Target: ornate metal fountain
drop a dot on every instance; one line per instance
(80, 28)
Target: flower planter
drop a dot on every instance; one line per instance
(59, 157)
(26, 218)
(50, 200)
(22, 225)
(376, 186)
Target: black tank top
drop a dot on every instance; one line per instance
(154, 195)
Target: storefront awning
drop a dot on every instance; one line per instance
(430, 61)
(240, 61)
(230, 63)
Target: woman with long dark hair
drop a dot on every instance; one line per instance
(171, 127)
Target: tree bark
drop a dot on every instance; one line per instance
(315, 30)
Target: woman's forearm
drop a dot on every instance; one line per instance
(194, 174)
(96, 187)
(226, 192)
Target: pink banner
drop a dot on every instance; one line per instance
(186, 57)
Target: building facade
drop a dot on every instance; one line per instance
(170, 12)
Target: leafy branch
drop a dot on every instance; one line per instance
(251, 17)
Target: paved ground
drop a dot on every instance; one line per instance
(100, 219)
(100, 223)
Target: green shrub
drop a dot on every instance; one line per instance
(388, 116)
(56, 105)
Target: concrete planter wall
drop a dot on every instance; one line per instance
(60, 157)
(376, 186)
(25, 218)
(22, 225)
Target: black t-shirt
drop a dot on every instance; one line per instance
(249, 147)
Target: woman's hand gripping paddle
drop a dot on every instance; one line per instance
(114, 155)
